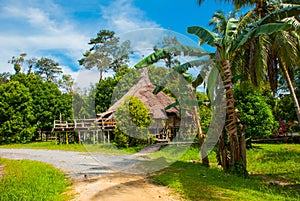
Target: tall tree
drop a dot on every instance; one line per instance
(235, 36)
(170, 59)
(264, 54)
(106, 53)
(66, 83)
(228, 45)
(47, 69)
(18, 62)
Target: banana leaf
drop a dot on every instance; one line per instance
(165, 52)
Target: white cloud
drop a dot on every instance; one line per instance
(37, 29)
(47, 29)
(121, 16)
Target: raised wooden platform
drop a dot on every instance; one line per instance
(85, 130)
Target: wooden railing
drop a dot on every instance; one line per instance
(83, 124)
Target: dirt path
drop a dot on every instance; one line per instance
(121, 187)
(103, 182)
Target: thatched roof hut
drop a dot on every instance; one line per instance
(156, 103)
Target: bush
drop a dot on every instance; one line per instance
(255, 114)
(16, 113)
(133, 119)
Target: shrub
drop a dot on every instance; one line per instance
(255, 113)
(133, 119)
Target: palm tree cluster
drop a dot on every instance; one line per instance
(255, 47)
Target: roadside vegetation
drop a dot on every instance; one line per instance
(32, 180)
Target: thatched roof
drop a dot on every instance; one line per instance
(143, 90)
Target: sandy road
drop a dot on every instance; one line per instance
(95, 177)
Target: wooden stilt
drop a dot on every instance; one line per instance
(67, 138)
(78, 137)
(94, 137)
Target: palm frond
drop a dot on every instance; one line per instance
(177, 103)
(165, 52)
(218, 22)
(279, 15)
(205, 36)
(195, 63)
(261, 52)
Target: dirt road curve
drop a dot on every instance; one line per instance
(122, 187)
(94, 179)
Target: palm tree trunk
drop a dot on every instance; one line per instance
(235, 144)
(292, 91)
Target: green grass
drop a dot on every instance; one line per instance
(109, 149)
(31, 180)
(274, 175)
(50, 145)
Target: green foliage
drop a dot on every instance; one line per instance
(104, 93)
(109, 90)
(133, 119)
(48, 102)
(66, 83)
(255, 113)
(32, 180)
(47, 69)
(29, 104)
(106, 52)
(204, 111)
(16, 109)
(284, 108)
(125, 79)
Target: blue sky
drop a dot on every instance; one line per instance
(61, 29)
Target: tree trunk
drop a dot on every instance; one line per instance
(292, 91)
(100, 73)
(201, 138)
(234, 150)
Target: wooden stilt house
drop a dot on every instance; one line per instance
(166, 122)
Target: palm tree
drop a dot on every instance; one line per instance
(230, 41)
(268, 53)
(226, 47)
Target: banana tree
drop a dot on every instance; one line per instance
(261, 63)
(226, 47)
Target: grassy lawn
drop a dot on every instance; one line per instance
(51, 145)
(31, 180)
(274, 175)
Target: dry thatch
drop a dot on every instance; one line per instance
(143, 90)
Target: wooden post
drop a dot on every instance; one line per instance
(104, 137)
(96, 133)
(78, 136)
(108, 140)
(67, 138)
(94, 138)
